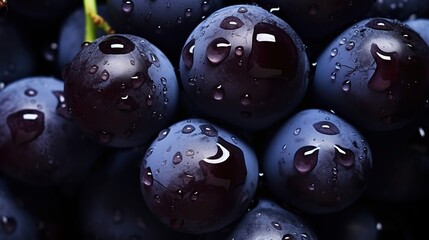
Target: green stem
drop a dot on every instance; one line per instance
(90, 8)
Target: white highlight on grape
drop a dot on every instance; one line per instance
(117, 45)
(225, 155)
(265, 37)
(30, 116)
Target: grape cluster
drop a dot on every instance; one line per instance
(214, 119)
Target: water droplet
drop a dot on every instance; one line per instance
(208, 130)
(26, 125)
(188, 53)
(245, 99)
(386, 74)
(177, 158)
(116, 45)
(205, 6)
(105, 75)
(188, 129)
(154, 59)
(163, 134)
(350, 45)
(334, 52)
(104, 137)
(337, 66)
(218, 50)
(188, 12)
(61, 108)
(218, 93)
(343, 41)
(146, 177)
(380, 24)
(157, 198)
(127, 6)
(333, 75)
(346, 86)
(190, 152)
(242, 9)
(137, 80)
(8, 224)
(276, 225)
(231, 23)
(194, 196)
(297, 131)
(288, 237)
(149, 100)
(239, 51)
(305, 159)
(93, 69)
(30, 92)
(326, 127)
(343, 156)
(126, 103)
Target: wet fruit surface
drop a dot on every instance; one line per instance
(194, 164)
(121, 90)
(245, 67)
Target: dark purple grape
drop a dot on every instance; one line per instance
(317, 162)
(268, 220)
(16, 222)
(197, 177)
(112, 206)
(121, 90)
(399, 9)
(244, 66)
(374, 74)
(317, 20)
(18, 59)
(39, 144)
(165, 23)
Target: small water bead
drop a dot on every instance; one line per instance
(346, 86)
(276, 225)
(334, 52)
(205, 6)
(242, 9)
(350, 45)
(190, 152)
(188, 12)
(289, 237)
(105, 75)
(127, 6)
(343, 41)
(30, 92)
(154, 59)
(157, 198)
(177, 158)
(333, 75)
(132, 62)
(218, 93)
(188, 129)
(208, 130)
(61, 108)
(146, 177)
(239, 51)
(93, 69)
(194, 196)
(245, 99)
(306, 158)
(137, 80)
(8, 225)
(149, 100)
(337, 66)
(297, 131)
(104, 137)
(163, 134)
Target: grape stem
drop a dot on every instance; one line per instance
(93, 21)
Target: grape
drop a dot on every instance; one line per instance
(317, 162)
(40, 145)
(374, 74)
(121, 89)
(245, 67)
(194, 164)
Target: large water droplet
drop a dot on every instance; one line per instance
(386, 74)
(127, 6)
(344, 156)
(146, 177)
(137, 80)
(177, 158)
(305, 159)
(61, 108)
(105, 75)
(218, 93)
(188, 129)
(163, 134)
(116, 45)
(208, 130)
(326, 127)
(334, 52)
(380, 24)
(26, 125)
(242, 9)
(231, 23)
(30, 92)
(8, 225)
(270, 45)
(218, 50)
